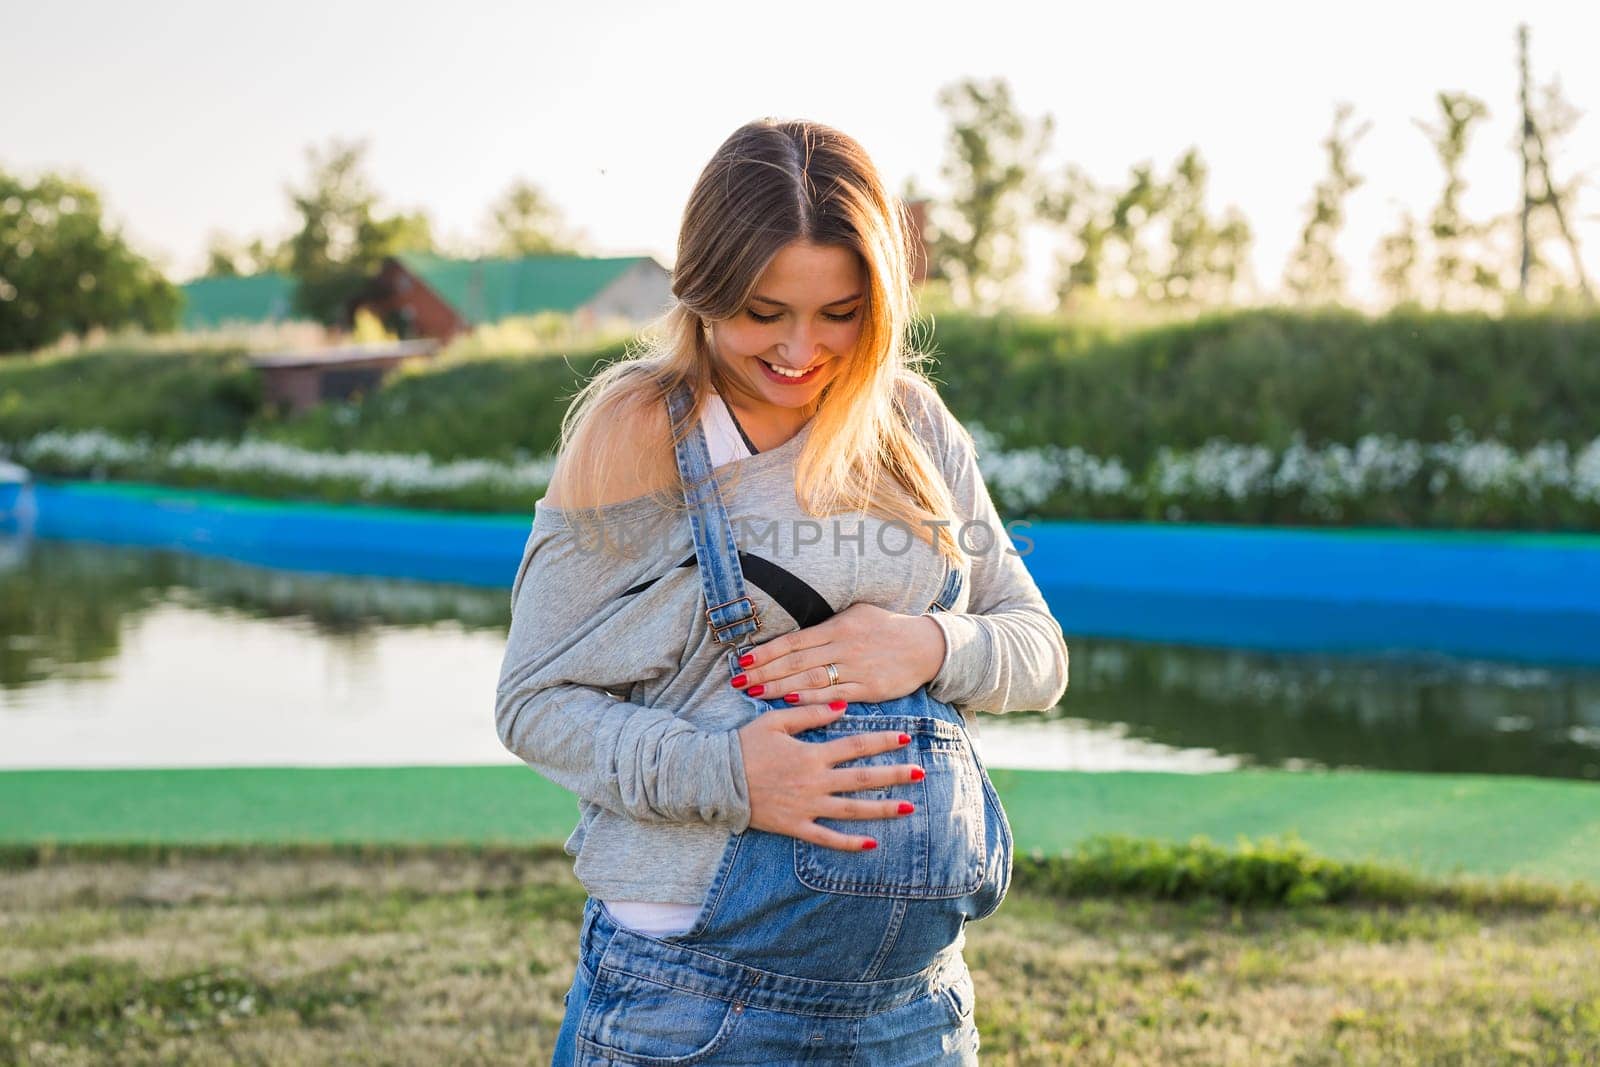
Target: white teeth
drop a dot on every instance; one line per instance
(785, 372)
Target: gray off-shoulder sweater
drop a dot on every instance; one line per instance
(613, 688)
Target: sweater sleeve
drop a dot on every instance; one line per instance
(1006, 652)
(574, 653)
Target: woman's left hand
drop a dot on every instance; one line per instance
(880, 655)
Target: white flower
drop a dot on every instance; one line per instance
(1585, 482)
(84, 448)
(1327, 477)
(374, 471)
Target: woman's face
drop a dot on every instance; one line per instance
(805, 316)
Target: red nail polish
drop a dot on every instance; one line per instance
(755, 690)
(792, 698)
(905, 739)
(918, 774)
(836, 705)
(906, 807)
(740, 679)
(747, 659)
(869, 843)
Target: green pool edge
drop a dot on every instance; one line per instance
(1539, 829)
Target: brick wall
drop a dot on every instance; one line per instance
(408, 307)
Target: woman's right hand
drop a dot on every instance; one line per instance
(793, 782)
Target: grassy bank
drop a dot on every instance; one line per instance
(436, 955)
(1264, 416)
(1250, 377)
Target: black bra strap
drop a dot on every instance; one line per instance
(804, 604)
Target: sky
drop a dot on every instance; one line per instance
(194, 118)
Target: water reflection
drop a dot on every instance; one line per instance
(1412, 712)
(64, 605)
(115, 656)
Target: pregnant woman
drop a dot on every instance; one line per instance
(762, 601)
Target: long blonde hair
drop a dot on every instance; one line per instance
(769, 184)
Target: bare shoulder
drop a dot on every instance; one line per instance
(620, 450)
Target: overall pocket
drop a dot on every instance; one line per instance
(958, 999)
(937, 851)
(637, 1021)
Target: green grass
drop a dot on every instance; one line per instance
(1432, 824)
(1270, 872)
(112, 1004)
(423, 955)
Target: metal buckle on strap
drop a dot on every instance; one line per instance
(716, 630)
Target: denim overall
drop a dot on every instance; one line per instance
(803, 953)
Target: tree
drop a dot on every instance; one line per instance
(1083, 209)
(1314, 274)
(1133, 213)
(222, 258)
(1205, 258)
(1546, 202)
(225, 258)
(342, 238)
(1459, 278)
(1151, 241)
(525, 222)
(1108, 256)
(1396, 258)
(989, 163)
(62, 270)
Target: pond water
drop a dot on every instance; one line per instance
(131, 657)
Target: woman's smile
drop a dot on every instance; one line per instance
(777, 372)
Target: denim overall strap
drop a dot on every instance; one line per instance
(730, 612)
(949, 591)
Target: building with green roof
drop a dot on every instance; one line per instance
(213, 302)
(431, 296)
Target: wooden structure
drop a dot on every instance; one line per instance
(300, 380)
(918, 240)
